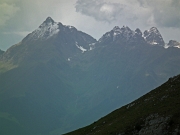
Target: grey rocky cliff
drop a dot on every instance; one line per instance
(154, 124)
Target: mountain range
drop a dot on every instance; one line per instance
(58, 78)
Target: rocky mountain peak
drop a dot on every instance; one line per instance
(126, 35)
(127, 32)
(46, 30)
(173, 43)
(153, 29)
(153, 37)
(116, 34)
(116, 28)
(138, 31)
(49, 20)
(52, 35)
(125, 28)
(122, 30)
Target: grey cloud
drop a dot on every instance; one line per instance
(99, 10)
(147, 12)
(167, 19)
(7, 11)
(169, 15)
(165, 13)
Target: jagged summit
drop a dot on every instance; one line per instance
(50, 29)
(126, 35)
(153, 29)
(116, 28)
(119, 35)
(46, 30)
(173, 43)
(153, 37)
(123, 34)
(49, 20)
(121, 30)
(138, 31)
(54, 35)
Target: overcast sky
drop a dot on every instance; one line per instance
(95, 17)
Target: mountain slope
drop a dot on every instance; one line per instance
(157, 112)
(1, 52)
(61, 74)
(173, 43)
(51, 40)
(153, 37)
(119, 74)
(34, 81)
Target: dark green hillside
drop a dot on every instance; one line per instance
(157, 112)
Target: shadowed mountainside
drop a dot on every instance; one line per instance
(58, 79)
(157, 112)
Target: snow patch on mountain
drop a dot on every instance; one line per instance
(153, 37)
(46, 30)
(70, 27)
(173, 43)
(91, 46)
(124, 33)
(166, 46)
(81, 48)
(177, 46)
(154, 43)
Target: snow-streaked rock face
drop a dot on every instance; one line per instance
(153, 37)
(50, 29)
(124, 33)
(173, 43)
(138, 32)
(81, 48)
(61, 35)
(46, 30)
(92, 46)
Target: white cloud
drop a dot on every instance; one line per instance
(7, 11)
(99, 10)
(162, 13)
(166, 13)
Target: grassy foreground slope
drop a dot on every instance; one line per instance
(157, 112)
